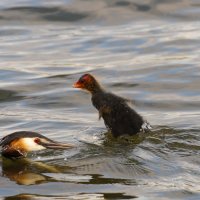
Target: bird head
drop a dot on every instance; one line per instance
(87, 82)
(18, 144)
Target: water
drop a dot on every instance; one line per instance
(147, 51)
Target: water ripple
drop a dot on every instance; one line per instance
(145, 51)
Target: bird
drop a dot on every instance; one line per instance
(18, 144)
(119, 118)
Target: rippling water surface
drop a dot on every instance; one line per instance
(147, 51)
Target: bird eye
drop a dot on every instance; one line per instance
(37, 140)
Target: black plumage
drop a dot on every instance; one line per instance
(118, 116)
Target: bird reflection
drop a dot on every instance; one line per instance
(26, 172)
(20, 197)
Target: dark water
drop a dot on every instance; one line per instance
(144, 50)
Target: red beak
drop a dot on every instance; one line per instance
(78, 85)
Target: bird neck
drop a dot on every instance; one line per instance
(96, 89)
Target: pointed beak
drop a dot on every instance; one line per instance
(77, 85)
(55, 145)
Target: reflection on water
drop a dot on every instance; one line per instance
(20, 171)
(147, 51)
(119, 165)
(6, 95)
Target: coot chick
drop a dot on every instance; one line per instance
(119, 117)
(18, 144)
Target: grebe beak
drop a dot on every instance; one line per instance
(54, 145)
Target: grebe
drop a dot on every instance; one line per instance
(18, 144)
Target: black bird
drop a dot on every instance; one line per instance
(118, 116)
(18, 144)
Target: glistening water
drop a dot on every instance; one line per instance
(147, 51)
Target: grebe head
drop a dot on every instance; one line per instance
(18, 144)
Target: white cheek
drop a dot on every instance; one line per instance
(30, 145)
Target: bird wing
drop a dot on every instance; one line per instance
(104, 110)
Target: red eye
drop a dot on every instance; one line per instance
(37, 140)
